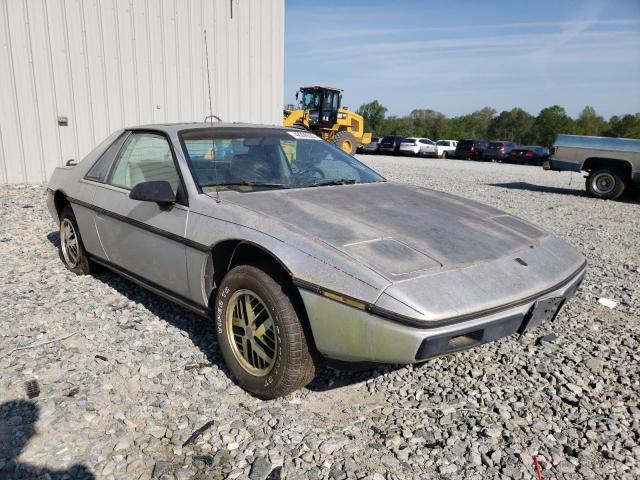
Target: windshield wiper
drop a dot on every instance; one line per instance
(338, 181)
(247, 183)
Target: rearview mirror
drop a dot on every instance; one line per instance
(158, 191)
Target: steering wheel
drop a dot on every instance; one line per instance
(313, 173)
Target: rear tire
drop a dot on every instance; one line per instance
(346, 142)
(71, 248)
(606, 183)
(260, 335)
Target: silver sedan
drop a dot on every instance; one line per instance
(297, 252)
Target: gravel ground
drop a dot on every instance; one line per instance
(139, 390)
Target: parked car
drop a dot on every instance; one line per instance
(470, 149)
(418, 147)
(498, 151)
(390, 144)
(372, 147)
(292, 257)
(446, 148)
(530, 155)
(613, 164)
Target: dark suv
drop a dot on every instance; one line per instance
(390, 144)
(498, 151)
(470, 149)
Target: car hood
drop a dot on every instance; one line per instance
(399, 231)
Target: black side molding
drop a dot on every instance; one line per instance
(155, 288)
(158, 231)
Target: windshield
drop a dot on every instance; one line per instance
(309, 99)
(250, 159)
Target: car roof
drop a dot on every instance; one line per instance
(177, 127)
(321, 86)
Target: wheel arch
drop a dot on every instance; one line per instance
(60, 200)
(231, 253)
(594, 163)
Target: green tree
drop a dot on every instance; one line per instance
(398, 126)
(429, 123)
(550, 122)
(456, 129)
(373, 113)
(473, 125)
(626, 126)
(590, 123)
(480, 122)
(511, 125)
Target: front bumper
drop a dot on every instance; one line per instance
(346, 333)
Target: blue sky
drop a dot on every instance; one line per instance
(459, 56)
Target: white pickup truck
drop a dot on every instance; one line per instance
(612, 164)
(446, 148)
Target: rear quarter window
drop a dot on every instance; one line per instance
(100, 169)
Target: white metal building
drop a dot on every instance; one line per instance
(72, 71)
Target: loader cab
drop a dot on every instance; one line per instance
(322, 103)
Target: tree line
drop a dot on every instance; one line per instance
(515, 125)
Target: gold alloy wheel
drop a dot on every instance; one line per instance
(251, 332)
(347, 145)
(69, 243)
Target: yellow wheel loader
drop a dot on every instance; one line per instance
(319, 111)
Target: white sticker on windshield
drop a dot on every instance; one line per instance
(302, 135)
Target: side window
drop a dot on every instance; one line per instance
(145, 157)
(100, 169)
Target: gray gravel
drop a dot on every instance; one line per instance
(140, 390)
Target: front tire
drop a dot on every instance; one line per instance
(260, 335)
(71, 248)
(607, 184)
(346, 142)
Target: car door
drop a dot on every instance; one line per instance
(427, 146)
(141, 237)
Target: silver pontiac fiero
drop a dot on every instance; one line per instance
(297, 252)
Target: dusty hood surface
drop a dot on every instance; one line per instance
(396, 229)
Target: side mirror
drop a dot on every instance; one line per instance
(158, 191)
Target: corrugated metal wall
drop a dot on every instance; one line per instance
(105, 64)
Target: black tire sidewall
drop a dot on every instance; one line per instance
(344, 135)
(254, 279)
(618, 189)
